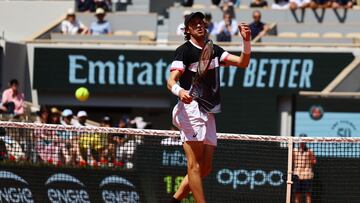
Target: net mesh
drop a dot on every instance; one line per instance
(54, 163)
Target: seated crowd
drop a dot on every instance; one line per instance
(60, 147)
(72, 26)
(289, 4)
(224, 30)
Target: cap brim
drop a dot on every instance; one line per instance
(193, 15)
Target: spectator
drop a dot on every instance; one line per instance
(226, 28)
(257, 27)
(280, 4)
(13, 149)
(101, 26)
(82, 117)
(295, 4)
(259, 4)
(211, 26)
(68, 140)
(45, 148)
(12, 99)
(304, 161)
(43, 115)
(67, 116)
(106, 121)
(85, 5)
(55, 116)
(181, 27)
(72, 26)
(115, 143)
(342, 4)
(227, 6)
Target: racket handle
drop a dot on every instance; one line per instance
(191, 91)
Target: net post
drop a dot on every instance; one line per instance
(289, 170)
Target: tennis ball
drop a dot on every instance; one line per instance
(82, 94)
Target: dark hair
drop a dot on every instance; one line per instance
(14, 82)
(208, 16)
(186, 35)
(43, 109)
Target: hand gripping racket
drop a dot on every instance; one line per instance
(202, 67)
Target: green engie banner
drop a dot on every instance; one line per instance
(121, 70)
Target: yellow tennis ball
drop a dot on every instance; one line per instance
(82, 94)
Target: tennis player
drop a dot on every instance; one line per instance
(195, 117)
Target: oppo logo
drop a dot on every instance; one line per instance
(251, 178)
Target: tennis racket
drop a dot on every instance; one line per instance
(202, 67)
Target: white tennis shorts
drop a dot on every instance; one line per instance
(194, 125)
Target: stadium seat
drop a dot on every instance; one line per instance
(287, 34)
(332, 35)
(353, 35)
(309, 35)
(123, 33)
(146, 35)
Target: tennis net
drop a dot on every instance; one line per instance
(54, 163)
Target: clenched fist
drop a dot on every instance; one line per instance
(245, 31)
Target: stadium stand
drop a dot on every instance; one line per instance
(40, 13)
(320, 22)
(126, 26)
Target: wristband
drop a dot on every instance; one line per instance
(176, 89)
(246, 48)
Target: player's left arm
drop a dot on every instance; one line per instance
(241, 61)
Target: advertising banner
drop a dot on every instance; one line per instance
(130, 70)
(54, 185)
(242, 171)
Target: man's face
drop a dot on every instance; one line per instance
(256, 17)
(122, 124)
(55, 118)
(82, 119)
(14, 87)
(196, 27)
(68, 119)
(44, 115)
(100, 17)
(227, 18)
(71, 18)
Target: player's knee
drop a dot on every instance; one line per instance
(193, 166)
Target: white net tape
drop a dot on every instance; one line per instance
(147, 132)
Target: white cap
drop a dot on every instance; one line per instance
(82, 114)
(140, 123)
(186, 12)
(67, 112)
(99, 11)
(70, 11)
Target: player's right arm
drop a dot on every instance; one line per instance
(176, 89)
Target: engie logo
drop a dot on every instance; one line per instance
(14, 188)
(252, 178)
(118, 189)
(66, 188)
